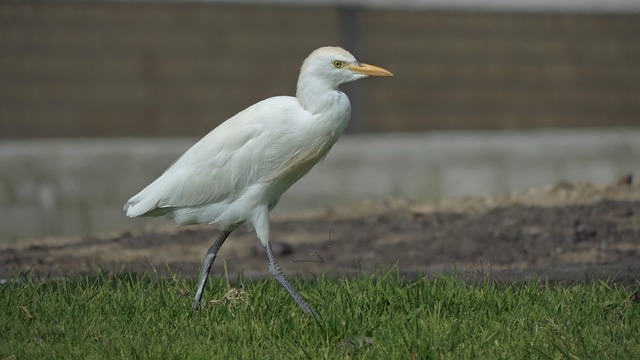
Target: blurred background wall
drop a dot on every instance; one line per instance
(169, 68)
(97, 98)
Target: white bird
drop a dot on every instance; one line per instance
(237, 173)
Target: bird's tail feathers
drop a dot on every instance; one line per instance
(142, 204)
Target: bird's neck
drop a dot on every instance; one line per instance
(318, 97)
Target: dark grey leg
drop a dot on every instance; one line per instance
(206, 267)
(277, 273)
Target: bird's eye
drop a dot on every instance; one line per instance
(338, 64)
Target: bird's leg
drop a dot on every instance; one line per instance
(277, 273)
(206, 267)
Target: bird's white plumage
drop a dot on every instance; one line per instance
(251, 159)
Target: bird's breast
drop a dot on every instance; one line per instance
(311, 146)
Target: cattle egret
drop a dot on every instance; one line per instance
(237, 173)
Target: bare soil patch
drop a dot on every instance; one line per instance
(563, 232)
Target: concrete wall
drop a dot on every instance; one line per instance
(79, 186)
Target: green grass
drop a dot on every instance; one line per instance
(370, 317)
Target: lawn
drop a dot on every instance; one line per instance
(376, 316)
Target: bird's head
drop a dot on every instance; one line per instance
(336, 66)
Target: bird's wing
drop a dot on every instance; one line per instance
(217, 168)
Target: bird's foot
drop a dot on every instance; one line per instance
(196, 306)
(312, 313)
(305, 306)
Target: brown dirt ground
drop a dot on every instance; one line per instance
(563, 232)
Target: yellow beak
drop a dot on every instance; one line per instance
(370, 70)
